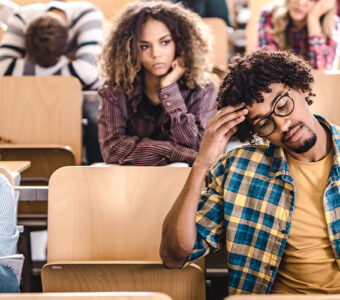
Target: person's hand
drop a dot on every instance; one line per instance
(320, 8)
(175, 74)
(217, 134)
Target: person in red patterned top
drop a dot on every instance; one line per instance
(158, 95)
(309, 27)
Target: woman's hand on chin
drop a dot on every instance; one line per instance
(177, 70)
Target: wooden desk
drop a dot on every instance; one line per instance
(88, 296)
(15, 166)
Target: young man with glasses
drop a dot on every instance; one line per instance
(275, 203)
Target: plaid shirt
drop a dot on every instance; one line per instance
(323, 53)
(249, 207)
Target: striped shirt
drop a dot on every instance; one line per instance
(248, 207)
(9, 232)
(85, 37)
(323, 53)
(130, 134)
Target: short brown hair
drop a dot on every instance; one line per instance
(46, 41)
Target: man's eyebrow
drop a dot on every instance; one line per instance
(161, 38)
(258, 116)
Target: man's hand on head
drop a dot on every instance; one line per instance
(217, 134)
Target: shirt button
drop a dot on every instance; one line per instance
(273, 268)
(283, 231)
(166, 96)
(168, 104)
(291, 192)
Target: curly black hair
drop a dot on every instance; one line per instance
(252, 74)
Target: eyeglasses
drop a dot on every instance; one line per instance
(283, 107)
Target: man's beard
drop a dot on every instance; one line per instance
(307, 144)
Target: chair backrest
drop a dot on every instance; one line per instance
(255, 7)
(220, 43)
(327, 90)
(110, 213)
(108, 7)
(45, 159)
(41, 110)
(92, 276)
(87, 296)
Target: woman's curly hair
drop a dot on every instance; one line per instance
(252, 74)
(120, 60)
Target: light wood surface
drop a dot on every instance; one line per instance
(41, 110)
(15, 166)
(255, 7)
(87, 296)
(327, 90)
(8, 175)
(220, 43)
(284, 297)
(183, 284)
(45, 159)
(109, 7)
(112, 214)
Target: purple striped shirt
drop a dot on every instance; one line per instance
(129, 135)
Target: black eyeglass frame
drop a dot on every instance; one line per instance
(286, 94)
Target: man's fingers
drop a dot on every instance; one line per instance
(220, 120)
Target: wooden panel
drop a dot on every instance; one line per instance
(87, 296)
(255, 7)
(327, 90)
(220, 43)
(41, 110)
(185, 284)
(108, 7)
(110, 213)
(45, 159)
(15, 166)
(284, 297)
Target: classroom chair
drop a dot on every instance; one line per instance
(255, 7)
(327, 89)
(86, 296)
(104, 231)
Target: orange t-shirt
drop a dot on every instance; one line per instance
(308, 263)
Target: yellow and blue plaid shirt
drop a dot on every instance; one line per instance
(249, 206)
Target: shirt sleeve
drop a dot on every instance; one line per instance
(120, 148)
(324, 52)
(9, 232)
(12, 49)
(210, 222)
(265, 26)
(188, 117)
(89, 32)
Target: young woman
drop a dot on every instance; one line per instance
(158, 96)
(309, 27)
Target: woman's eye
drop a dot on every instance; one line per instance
(164, 43)
(144, 47)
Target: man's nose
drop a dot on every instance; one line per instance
(282, 123)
